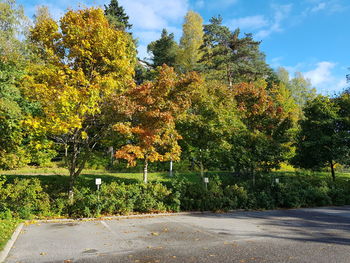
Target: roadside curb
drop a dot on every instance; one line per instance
(66, 220)
(4, 253)
(132, 216)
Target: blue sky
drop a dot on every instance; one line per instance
(308, 36)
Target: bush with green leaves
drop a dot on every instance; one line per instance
(27, 198)
(118, 199)
(290, 192)
(24, 199)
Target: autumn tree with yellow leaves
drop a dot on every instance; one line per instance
(81, 62)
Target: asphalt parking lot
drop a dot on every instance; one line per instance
(298, 235)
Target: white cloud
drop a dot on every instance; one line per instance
(319, 7)
(323, 78)
(275, 62)
(341, 84)
(199, 4)
(148, 17)
(214, 5)
(249, 22)
(154, 14)
(328, 6)
(147, 36)
(321, 74)
(281, 13)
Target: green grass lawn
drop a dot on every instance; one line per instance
(56, 179)
(6, 229)
(59, 174)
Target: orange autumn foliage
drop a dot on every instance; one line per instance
(149, 112)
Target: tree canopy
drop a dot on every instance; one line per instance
(79, 68)
(163, 50)
(72, 89)
(117, 16)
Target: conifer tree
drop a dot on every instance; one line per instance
(163, 50)
(117, 16)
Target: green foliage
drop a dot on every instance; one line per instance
(12, 62)
(291, 192)
(7, 227)
(269, 118)
(116, 16)
(77, 70)
(98, 161)
(114, 199)
(24, 198)
(163, 50)
(208, 124)
(229, 58)
(299, 87)
(27, 198)
(323, 138)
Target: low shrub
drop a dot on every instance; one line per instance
(24, 199)
(118, 199)
(27, 198)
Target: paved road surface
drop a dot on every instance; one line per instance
(301, 235)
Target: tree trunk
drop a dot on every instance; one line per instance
(71, 188)
(171, 168)
(253, 174)
(111, 154)
(192, 164)
(202, 168)
(145, 171)
(72, 168)
(75, 168)
(332, 170)
(229, 78)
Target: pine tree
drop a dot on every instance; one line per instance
(229, 57)
(117, 16)
(163, 50)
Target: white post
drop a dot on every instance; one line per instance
(98, 182)
(206, 181)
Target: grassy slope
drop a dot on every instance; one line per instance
(6, 229)
(57, 180)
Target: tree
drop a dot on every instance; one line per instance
(78, 69)
(299, 87)
(117, 16)
(12, 63)
(207, 125)
(228, 57)
(163, 50)
(269, 118)
(149, 112)
(321, 142)
(192, 39)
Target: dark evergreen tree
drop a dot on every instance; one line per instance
(163, 50)
(117, 16)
